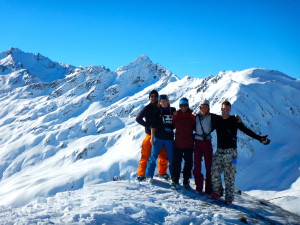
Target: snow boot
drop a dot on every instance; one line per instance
(175, 186)
(140, 178)
(150, 180)
(214, 196)
(187, 186)
(163, 176)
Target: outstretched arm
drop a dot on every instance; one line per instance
(263, 139)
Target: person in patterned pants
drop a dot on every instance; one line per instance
(225, 158)
(223, 161)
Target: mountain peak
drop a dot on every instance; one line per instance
(254, 75)
(12, 49)
(10, 52)
(38, 66)
(267, 73)
(143, 59)
(140, 61)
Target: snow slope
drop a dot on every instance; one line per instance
(68, 128)
(130, 202)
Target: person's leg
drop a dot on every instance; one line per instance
(169, 144)
(188, 165)
(216, 170)
(162, 162)
(208, 157)
(198, 154)
(229, 175)
(177, 164)
(145, 155)
(152, 160)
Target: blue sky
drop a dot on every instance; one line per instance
(196, 38)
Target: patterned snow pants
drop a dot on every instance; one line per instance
(224, 160)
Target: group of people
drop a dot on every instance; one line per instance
(175, 135)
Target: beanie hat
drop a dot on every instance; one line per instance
(153, 92)
(204, 102)
(162, 97)
(184, 101)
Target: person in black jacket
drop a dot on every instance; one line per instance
(225, 158)
(162, 134)
(144, 119)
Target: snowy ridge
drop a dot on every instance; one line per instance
(78, 128)
(130, 202)
(38, 67)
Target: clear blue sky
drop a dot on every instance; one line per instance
(196, 38)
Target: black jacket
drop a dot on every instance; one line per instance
(163, 122)
(227, 131)
(147, 112)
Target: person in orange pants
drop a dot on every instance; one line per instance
(144, 118)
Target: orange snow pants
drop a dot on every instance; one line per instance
(146, 153)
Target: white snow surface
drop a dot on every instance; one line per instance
(288, 199)
(131, 202)
(67, 133)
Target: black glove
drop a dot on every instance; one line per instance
(264, 140)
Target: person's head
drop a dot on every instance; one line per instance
(163, 101)
(226, 108)
(184, 105)
(204, 107)
(153, 95)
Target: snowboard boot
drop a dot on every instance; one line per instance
(163, 176)
(175, 186)
(186, 184)
(140, 178)
(214, 196)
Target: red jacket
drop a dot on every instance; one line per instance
(185, 124)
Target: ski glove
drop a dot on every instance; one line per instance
(265, 140)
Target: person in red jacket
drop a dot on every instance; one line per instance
(185, 124)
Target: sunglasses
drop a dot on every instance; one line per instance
(183, 105)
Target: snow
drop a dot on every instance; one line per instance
(65, 140)
(130, 202)
(288, 199)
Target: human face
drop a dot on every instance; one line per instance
(153, 98)
(184, 108)
(225, 111)
(204, 109)
(164, 103)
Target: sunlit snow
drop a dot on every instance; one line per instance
(67, 133)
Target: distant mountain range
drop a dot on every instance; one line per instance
(64, 127)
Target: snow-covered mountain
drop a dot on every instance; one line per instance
(18, 68)
(67, 128)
